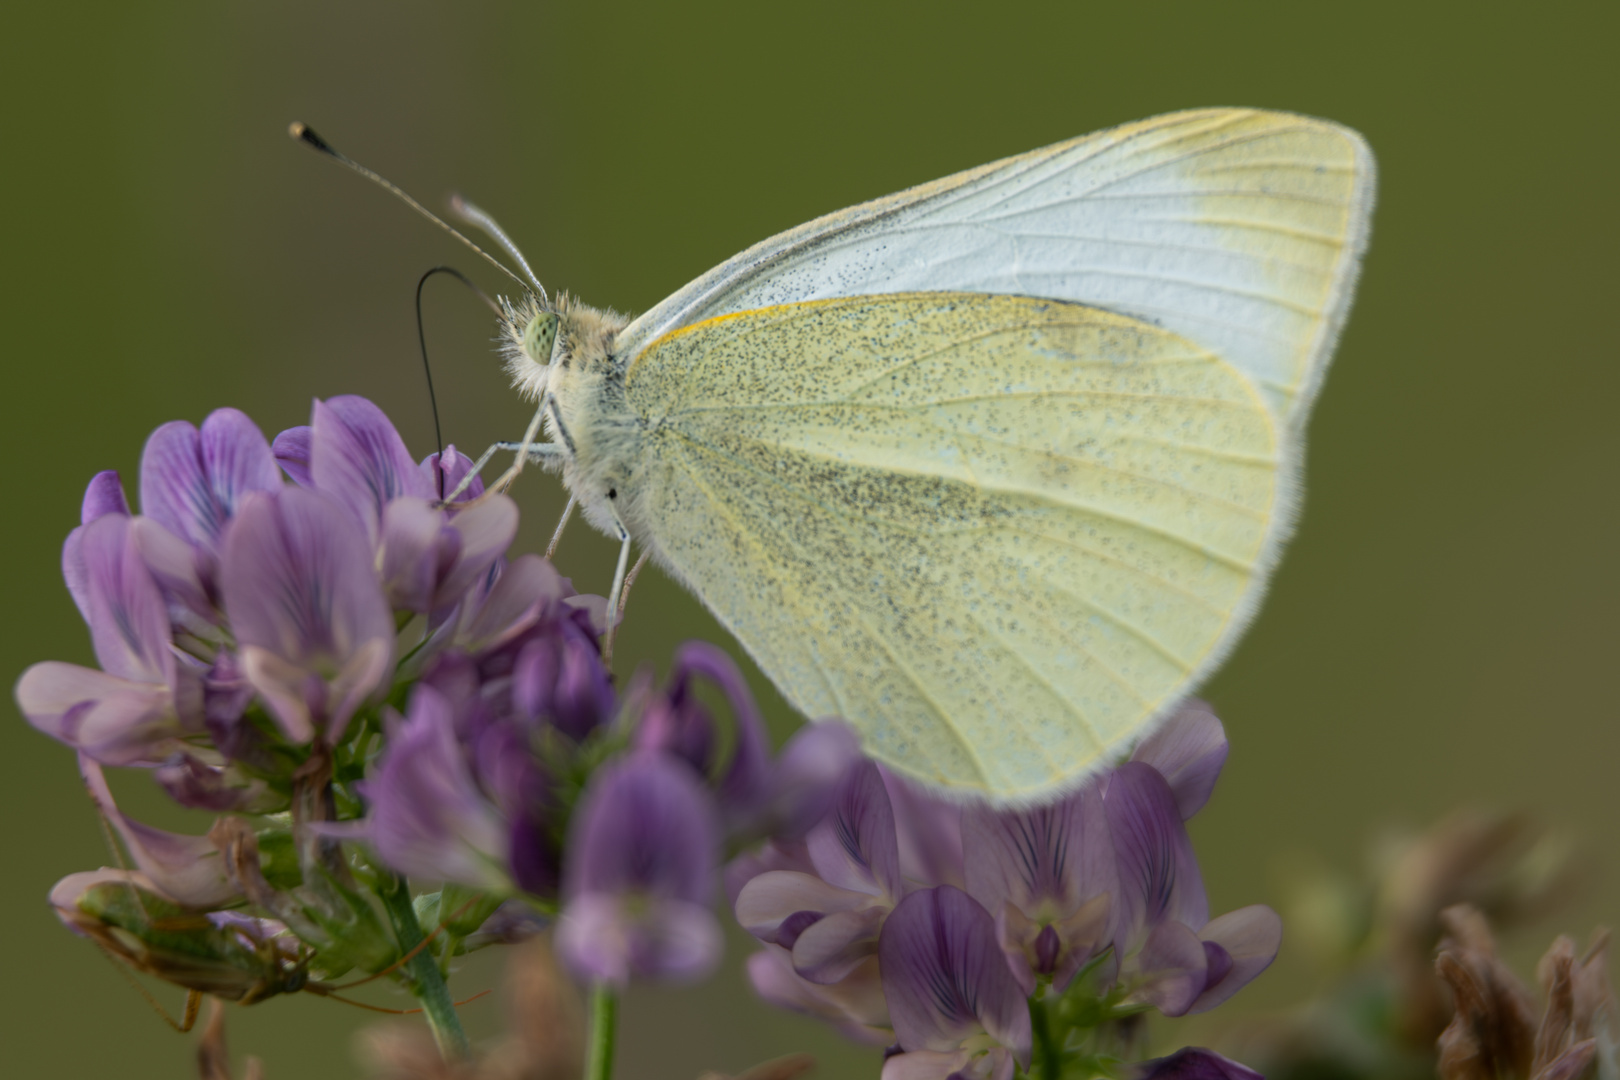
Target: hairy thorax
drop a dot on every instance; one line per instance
(581, 396)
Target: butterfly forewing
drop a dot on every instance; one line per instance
(996, 533)
(1240, 230)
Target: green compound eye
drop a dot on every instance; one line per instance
(539, 336)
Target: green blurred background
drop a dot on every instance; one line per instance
(1442, 631)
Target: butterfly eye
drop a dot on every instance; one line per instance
(539, 336)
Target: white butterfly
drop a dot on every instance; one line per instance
(997, 467)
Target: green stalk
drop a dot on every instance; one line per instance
(1049, 1065)
(422, 972)
(604, 1018)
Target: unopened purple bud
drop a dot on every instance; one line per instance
(444, 472)
(1047, 945)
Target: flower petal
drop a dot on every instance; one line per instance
(1193, 1063)
(831, 947)
(747, 777)
(1188, 749)
(486, 530)
(855, 846)
(944, 976)
(299, 584)
(292, 449)
(188, 868)
(415, 550)
(807, 775)
(357, 457)
(770, 898)
(1052, 858)
(1172, 967)
(129, 623)
(174, 486)
(1250, 938)
(1158, 872)
(929, 830)
(116, 721)
(445, 472)
(177, 566)
(427, 817)
(237, 458)
(104, 495)
(856, 1004)
(643, 826)
(605, 937)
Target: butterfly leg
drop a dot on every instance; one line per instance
(618, 583)
(537, 452)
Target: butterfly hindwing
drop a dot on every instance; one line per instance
(998, 534)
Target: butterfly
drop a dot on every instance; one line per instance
(995, 468)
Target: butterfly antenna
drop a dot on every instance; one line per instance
(427, 369)
(477, 218)
(305, 134)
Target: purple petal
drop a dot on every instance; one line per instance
(1193, 1063)
(454, 467)
(1172, 968)
(856, 1004)
(994, 1064)
(188, 868)
(129, 623)
(104, 495)
(180, 570)
(930, 833)
(807, 777)
(115, 721)
(427, 817)
(769, 899)
(854, 847)
(1188, 749)
(748, 775)
(608, 938)
(303, 599)
(1249, 939)
(357, 457)
(944, 976)
(1158, 872)
(774, 855)
(583, 698)
(236, 459)
(644, 826)
(525, 589)
(1052, 858)
(194, 784)
(291, 450)
(416, 548)
(485, 530)
(174, 486)
(829, 948)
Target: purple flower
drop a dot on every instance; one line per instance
(187, 868)
(948, 987)
(854, 1004)
(137, 707)
(193, 482)
(639, 876)
(446, 472)
(427, 817)
(353, 454)
(929, 829)
(1177, 958)
(430, 559)
(1047, 877)
(303, 598)
(1193, 1063)
(830, 918)
(1188, 749)
(756, 795)
(104, 495)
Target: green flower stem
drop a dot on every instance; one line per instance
(423, 973)
(1048, 1054)
(604, 1018)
